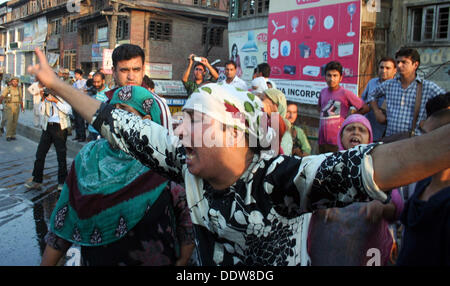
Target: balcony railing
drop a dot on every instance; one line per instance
(33, 7)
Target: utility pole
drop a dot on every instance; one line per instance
(112, 29)
(113, 26)
(208, 37)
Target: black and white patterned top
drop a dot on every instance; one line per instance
(258, 220)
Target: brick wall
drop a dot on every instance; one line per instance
(137, 28)
(186, 39)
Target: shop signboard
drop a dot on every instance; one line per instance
(303, 36)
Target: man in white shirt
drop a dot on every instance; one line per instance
(79, 122)
(232, 78)
(54, 122)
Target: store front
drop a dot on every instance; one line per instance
(173, 92)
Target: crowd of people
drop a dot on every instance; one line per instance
(235, 182)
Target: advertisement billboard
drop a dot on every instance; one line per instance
(248, 49)
(303, 36)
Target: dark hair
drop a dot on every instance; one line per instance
(230, 62)
(200, 64)
(148, 82)
(232, 48)
(437, 103)
(387, 59)
(127, 52)
(100, 74)
(78, 71)
(413, 54)
(334, 65)
(89, 83)
(264, 69)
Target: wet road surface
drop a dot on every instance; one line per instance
(24, 214)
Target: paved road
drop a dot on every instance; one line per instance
(24, 214)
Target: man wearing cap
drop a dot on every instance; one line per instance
(12, 100)
(64, 75)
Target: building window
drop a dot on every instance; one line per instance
(87, 35)
(4, 39)
(55, 26)
(12, 36)
(206, 3)
(47, 4)
(160, 30)
(102, 33)
(215, 36)
(429, 23)
(100, 5)
(70, 59)
(122, 29)
(33, 7)
(19, 60)
(28, 59)
(248, 8)
(20, 34)
(11, 63)
(71, 26)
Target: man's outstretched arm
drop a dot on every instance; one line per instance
(85, 105)
(411, 160)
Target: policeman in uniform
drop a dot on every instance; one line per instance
(12, 100)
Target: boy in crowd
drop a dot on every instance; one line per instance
(334, 106)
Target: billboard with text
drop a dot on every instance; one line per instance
(303, 36)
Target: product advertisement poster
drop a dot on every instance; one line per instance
(248, 49)
(303, 36)
(107, 61)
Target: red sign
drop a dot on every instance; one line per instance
(302, 41)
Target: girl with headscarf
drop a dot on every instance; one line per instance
(247, 207)
(345, 236)
(275, 102)
(118, 210)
